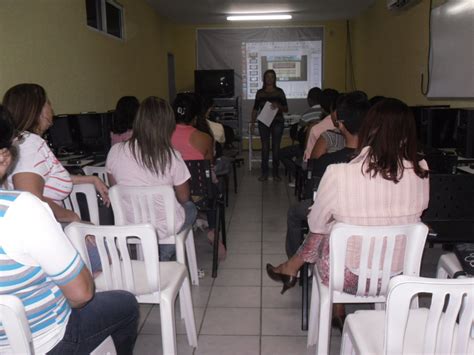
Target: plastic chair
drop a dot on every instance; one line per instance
(323, 297)
(209, 200)
(88, 211)
(149, 280)
(443, 328)
(14, 321)
(448, 265)
(141, 200)
(98, 171)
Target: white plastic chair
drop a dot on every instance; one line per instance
(14, 321)
(149, 280)
(98, 171)
(141, 200)
(443, 328)
(72, 203)
(323, 297)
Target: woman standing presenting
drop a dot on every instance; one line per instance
(273, 94)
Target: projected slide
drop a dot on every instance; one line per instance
(298, 66)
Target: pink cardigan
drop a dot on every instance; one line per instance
(346, 195)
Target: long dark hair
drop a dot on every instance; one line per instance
(7, 131)
(151, 138)
(269, 71)
(25, 103)
(124, 115)
(390, 132)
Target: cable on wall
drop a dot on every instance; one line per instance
(349, 67)
(422, 86)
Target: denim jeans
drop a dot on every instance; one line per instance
(297, 214)
(275, 131)
(111, 313)
(168, 251)
(288, 153)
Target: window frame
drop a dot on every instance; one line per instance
(103, 18)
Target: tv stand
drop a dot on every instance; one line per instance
(228, 111)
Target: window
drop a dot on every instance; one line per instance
(105, 16)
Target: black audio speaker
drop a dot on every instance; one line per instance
(465, 133)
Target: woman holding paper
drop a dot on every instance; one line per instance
(270, 103)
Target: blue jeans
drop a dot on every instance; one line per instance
(276, 132)
(111, 313)
(168, 251)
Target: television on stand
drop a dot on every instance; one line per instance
(214, 83)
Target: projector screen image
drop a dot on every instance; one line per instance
(298, 66)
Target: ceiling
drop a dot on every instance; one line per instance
(215, 11)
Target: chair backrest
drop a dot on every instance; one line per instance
(118, 271)
(451, 197)
(98, 171)
(150, 204)
(377, 246)
(201, 178)
(15, 324)
(83, 201)
(449, 319)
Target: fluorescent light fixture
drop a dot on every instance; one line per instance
(259, 17)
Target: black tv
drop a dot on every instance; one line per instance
(94, 132)
(63, 135)
(214, 83)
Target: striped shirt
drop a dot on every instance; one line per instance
(34, 156)
(35, 258)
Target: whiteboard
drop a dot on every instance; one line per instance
(452, 49)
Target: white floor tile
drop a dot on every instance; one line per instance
(231, 321)
(235, 296)
(238, 277)
(241, 261)
(150, 344)
(228, 345)
(282, 321)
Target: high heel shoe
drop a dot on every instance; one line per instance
(288, 281)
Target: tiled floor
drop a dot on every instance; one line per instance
(242, 311)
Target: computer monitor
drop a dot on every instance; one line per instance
(94, 132)
(437, 127)
(62, 135)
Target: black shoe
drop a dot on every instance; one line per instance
(276, 178)
(263, 178)
(289, 281)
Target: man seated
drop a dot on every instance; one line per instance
(350, 111)
(39, 265)
(313, 114)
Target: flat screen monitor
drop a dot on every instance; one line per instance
(214, 83)
(442, 127)
(62, 135)
(94, 132)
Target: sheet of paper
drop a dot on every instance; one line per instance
(267, 114)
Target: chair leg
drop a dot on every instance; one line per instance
(215, 251)
(226, 179)
(191, 255)
(188, 312)
(346, 343)
(324, 333)
(168, 326)
(234, 169)
(224, 232)
(313, 324)
(305, 294)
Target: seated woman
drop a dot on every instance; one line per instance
(37, 170)
(385, 184)
(148, 159)
(194, 144)
(124, 115)
(41, 267)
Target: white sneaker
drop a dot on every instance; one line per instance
(291, 184)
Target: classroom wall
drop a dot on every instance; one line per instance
(184, 50)
(390, 50)
(48, 42)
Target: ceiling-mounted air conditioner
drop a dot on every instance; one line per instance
(399, 4)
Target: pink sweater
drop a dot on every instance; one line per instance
(346, 195)
(181, 141)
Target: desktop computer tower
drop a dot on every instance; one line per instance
(465, 133)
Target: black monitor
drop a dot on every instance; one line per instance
(62, 135)
(94, 132)
(214, 83)
(437, 126)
